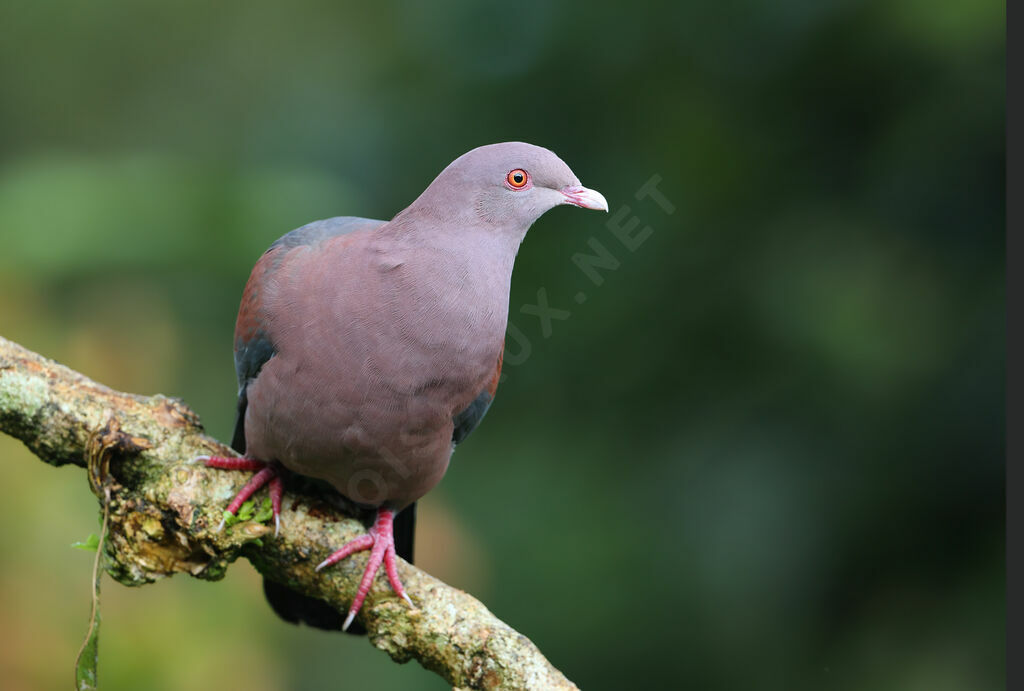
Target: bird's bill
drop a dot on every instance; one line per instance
(585, 198)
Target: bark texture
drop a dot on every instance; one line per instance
(164, 511)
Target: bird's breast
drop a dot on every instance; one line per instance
(374, 358)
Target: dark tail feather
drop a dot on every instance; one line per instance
(405, 532)
(238, 436)
(296, 608)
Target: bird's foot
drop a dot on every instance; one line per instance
(265, 473)
(381, 543)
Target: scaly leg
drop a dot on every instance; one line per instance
(381, 543)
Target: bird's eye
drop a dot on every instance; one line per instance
(517, 179)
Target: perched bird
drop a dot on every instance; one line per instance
(366, 350)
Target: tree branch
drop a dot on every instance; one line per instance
(164, 512)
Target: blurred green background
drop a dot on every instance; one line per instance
(766, 452)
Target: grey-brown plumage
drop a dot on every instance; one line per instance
(366, 349)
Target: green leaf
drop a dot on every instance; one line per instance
(248, 512)
(266, 511)
(90, 544)
(88, 656)
(245, 512)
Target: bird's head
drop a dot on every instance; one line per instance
(509, 185)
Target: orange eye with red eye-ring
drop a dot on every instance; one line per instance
(517, 179)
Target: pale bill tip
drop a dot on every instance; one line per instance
(585, 198)
(348, 621)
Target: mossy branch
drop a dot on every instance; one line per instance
(164, 510)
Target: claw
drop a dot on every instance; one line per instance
(276, 492)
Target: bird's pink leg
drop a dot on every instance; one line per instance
(265, 472)
(228, 463)
(381, 543)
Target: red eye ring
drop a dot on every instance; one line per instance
(517, 179)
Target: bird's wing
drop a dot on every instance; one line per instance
(468, 419)
(253, 345)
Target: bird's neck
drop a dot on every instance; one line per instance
(459, 236)
(457, 276)
(445, 218)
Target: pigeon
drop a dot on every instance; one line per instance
(367, 350)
